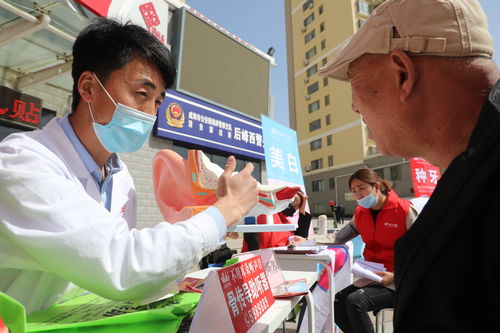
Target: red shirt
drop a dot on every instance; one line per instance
(381, 235)
(271, 239)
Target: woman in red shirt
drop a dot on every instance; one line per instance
(263, 240)
(380, 218)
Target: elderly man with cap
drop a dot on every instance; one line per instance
(423, 81)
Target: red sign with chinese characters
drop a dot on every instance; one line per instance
(133, 10)
(19, 108)
(246, 291)
(151, 20)
(424, 176)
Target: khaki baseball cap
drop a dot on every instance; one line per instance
(447, 28)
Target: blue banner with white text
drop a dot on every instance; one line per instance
(282, 153)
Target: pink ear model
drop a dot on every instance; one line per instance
(178, 185)
(184, 188)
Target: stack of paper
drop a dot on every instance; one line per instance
(366, 268)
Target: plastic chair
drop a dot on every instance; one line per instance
(380, 319)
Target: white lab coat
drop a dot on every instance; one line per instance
(54, 229)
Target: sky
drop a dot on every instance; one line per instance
(262, 24)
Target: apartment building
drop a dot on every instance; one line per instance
(333, 141)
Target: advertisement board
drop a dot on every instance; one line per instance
(186, 119)
(282, 154)
(219, 67)
(19, 108)
(424, 177)
(150, 14)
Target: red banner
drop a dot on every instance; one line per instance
(150, 14)
(98, 7)
(424, 176)
(246, 291)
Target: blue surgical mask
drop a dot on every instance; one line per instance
(368, 201)
(127, 131)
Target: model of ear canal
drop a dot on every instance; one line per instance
(184, 188)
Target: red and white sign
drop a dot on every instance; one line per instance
(235, 296)
(424, 176)
(247, 292)
(150, 14)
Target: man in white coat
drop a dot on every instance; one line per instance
(67, 201)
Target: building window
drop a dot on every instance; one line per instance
(312, 70)
(322, 27)
(323, 44)
(331, 183)
(316, 144)
(317, 164)
(319, 208)
(329, 140)
(361, 22)
(318, 185)
(320, 10)
(328, 120)
(308, 4)
(323, 62)
(325, 81)
(314, 125)
(314, 106)
(327, 100)
(396, 172)
(379, 172)
(330, 160)
(364, 8)
(311, 53)
(313, 88)
(310, 36)
(309, 20)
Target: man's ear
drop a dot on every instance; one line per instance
(86, 86)
(405, 73)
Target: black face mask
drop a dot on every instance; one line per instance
(288, 211)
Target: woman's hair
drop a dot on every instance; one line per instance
(371, 177)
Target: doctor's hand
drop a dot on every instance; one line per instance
(237, 194)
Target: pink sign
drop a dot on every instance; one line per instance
(246, 291)
(424, 176)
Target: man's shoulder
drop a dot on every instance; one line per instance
(21, 140)
(29, 138)
(23, 148)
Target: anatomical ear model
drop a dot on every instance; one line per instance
(184, 188)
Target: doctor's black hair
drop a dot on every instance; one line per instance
(106, 45)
